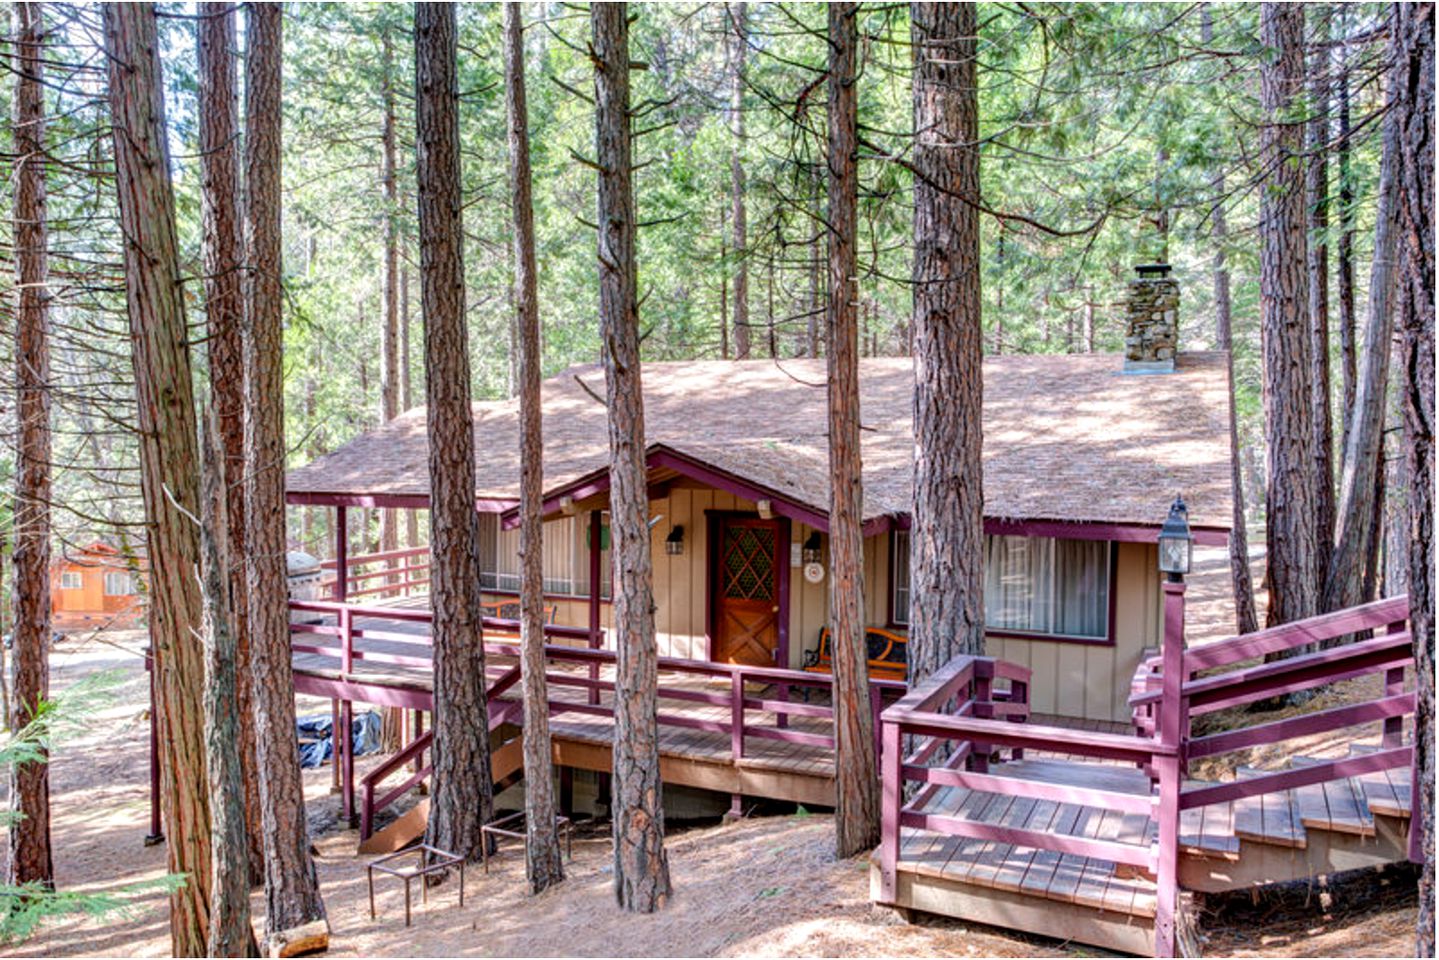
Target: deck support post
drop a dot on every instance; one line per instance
(736, 808)
(155, 836)
(567, 791)
(1173, 723)
(345, 751)
(335, 743)
(594, 539)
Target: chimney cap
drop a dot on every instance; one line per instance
(1152, 269)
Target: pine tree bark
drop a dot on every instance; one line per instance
(738, 42)
(1317, 197)
(390, 332)
(462, 801)
(230, 932)
(1356, 534)
(30, 859)
(292, 889)
(641, 869)
(1414, 93)
(169, 456)
(1291, 497)
(1246, 619)
(1344, 255)
(946, 613)
(543, 864)
(856, 773)
(223, 242)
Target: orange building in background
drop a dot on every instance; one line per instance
(96, 587)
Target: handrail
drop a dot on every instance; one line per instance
(1300, 633)
(349, 628)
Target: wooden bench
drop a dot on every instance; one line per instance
(510, 610)
(888, 656)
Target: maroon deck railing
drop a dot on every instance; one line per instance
(394, 573)
(953, 709)
(757, 703)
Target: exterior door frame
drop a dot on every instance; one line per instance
(714, 521)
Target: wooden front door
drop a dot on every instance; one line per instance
(746, 588)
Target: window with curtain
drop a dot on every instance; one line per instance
(566, 561)
(117, 584)
(71, 580)
(1032, 585)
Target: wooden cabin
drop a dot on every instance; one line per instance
(96, 586)
(1081, 461)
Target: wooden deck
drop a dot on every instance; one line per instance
(579, 725)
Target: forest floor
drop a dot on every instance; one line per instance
(767, 885)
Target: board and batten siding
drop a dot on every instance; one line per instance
(1071, 679)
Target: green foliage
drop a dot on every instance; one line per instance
(23, 908)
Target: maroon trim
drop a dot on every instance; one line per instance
(396, 501)
(890, 622)
(1086, 530)
(342, 555)
(714, 524)
(596, 525)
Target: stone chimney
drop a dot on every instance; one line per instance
(1151, 336)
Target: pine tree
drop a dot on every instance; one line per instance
(856, 780)
(543, 865)
(642, 876)
(462, 801)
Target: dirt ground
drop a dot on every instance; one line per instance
(763, 886)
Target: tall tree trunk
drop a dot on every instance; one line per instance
(463, 800)
(390, 333)
(1246, 618)
(946, 611)
(543, 865)
(223, 242)
(856, 780)
(30, 858)
(1414, 95)
(292, 890)
(1293, 552)
(230, 932)
(407, 395)
(169, 457)
(1355, 539)
(738, 42)
(1317, 197)
(1348, 358)
(642, 874)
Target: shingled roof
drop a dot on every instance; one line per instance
(1066, 437)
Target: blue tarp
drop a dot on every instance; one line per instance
(317, 745)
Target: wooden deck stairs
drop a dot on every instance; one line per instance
(1321, 828)
(1091, 837)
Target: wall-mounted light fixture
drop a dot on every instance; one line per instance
(567, 505)
(811, 548)
(675, 542)
(765, 508)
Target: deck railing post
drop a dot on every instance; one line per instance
(1393, 687)
(347, 642)
(876, 707)
(891, 765)
(596, 641)
(736, 722)
(982, 691)
(1172, 728)
(342, 556)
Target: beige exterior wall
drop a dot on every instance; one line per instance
(1072, 679)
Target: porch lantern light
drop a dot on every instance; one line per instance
(1176, 545)
(675, 542)
(811, 553)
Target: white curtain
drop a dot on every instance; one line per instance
(1019, 583)
(1082, 583)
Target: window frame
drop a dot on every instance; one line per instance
(1005, 633)
(129, 583)
(78, 578)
